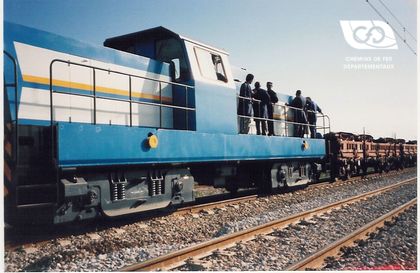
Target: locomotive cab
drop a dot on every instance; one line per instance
(191, 63)
(160, 44)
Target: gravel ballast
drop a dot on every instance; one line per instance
(116, 247)
(393, 247)
(292, 244)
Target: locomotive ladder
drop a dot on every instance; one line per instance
(12, 123)
(21, 192)
(10, 130)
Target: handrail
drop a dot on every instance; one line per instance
(130, 100)
(275, 104)
(124, 100)
(324, 127)
(118, 72)
(15, 85)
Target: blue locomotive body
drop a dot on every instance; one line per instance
(130, 127)
(90, 145)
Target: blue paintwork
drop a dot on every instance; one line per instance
(215, 109)
(14, 32)
(32, 36)
(93, 145)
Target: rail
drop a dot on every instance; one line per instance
(285, 109)
(130, 100)
(317, 259)
(178, 258)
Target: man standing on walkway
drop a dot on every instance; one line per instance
(298, 103)
(245, 105)
(312, 108)
(261, 109)
(273, 100)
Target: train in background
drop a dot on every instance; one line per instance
(131, 126)
(350, 155)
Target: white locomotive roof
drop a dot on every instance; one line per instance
(203, 45)
(161, 32)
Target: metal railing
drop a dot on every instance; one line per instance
(130, 100)
(285, 109)
(94, 96)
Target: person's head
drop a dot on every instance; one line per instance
(308, 99)
(249, 78)
(257, 85)
(298, 93)
(269, 85)
(216, 59)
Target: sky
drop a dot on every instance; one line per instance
(296, 44)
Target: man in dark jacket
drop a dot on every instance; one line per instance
(299, 114)
(312, 108)
(245, 105)
(261, 108)
(273, 100)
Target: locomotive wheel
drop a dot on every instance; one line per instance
(358, 170)
(342, 172)
(401, 165)
(264, 176)
(347, 172)
(380, 169)
(364, 170)
(348, 175)
(315, 177)
(231, 186)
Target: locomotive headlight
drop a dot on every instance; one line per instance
(153, 141)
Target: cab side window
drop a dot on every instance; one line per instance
(211, 65)
(172, 52)
(175, 69)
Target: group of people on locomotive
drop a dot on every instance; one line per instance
(259, 104)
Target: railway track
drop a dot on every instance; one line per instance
(22, 240)
(41, 238)
(317, 259)
(196, 252)
(311, 187)
(230, 201)
(217, 204)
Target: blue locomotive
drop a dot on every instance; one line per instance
(131, 126)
